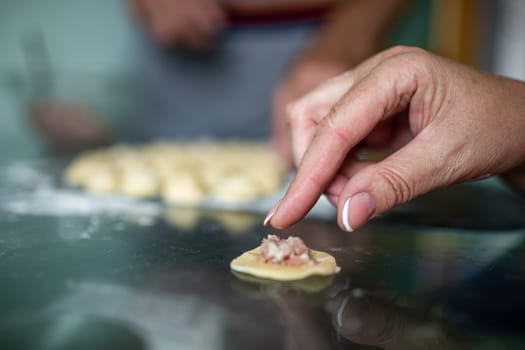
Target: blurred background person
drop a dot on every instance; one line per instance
(225, 68)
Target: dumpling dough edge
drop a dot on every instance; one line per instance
(249, 263)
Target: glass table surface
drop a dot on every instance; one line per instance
(446, 271)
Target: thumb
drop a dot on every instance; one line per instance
(417, 168)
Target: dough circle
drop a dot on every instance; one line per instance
(249, 263)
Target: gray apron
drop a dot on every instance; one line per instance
(225, 93)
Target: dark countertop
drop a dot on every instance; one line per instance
(444, 272)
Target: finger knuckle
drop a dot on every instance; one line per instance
(330, 126)
(403, 58)
(398, 49)
(419, 60)
(399, 187)
(403, 49)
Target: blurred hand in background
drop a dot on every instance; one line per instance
(69, 128)
(187, 23)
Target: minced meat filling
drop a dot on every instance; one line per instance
(290, 251)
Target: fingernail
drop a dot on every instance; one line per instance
(357, 210)
(271, 213)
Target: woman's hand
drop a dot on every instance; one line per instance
(69, 128)
(445, 122)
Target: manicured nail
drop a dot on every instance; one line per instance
(357, 210)
(271, 213)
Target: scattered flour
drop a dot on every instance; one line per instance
(33, 191)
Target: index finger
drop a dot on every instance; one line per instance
(380, 94)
